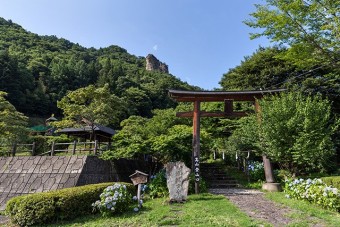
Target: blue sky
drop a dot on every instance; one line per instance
(199, 40)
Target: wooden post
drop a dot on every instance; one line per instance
(268, 171)
(139, 189)
(14, 149)
(74, 147)
(52, 148)
(95, 147)
(33, 148)
(228, 106)
(196, 144)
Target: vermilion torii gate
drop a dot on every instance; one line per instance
(228, 97)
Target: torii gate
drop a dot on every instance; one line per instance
(218, 96)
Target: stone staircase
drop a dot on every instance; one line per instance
(216, 177)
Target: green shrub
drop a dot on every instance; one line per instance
(332, 181)
(313, 191)
(114, 199)
(203, 184)
(31, 210)
(64, 204)
(158, 187)
(256, 171)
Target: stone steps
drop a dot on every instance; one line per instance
(216, 177)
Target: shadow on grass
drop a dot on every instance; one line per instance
(86, 218)
(205, 197)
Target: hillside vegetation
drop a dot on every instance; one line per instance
(37, 71)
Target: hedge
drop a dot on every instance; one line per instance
(63, 204)
(334, 181)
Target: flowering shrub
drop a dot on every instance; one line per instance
(140, 202)
(256, 170)
(158, 186)
(114, 199)
(313, 191)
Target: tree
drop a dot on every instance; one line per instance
(263, 69)
(92, 105)
(164, 136)
(12, 123)
(311, 28)
(294, 131)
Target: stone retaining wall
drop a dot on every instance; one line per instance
(26, 175)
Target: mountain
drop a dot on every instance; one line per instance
(37, 71)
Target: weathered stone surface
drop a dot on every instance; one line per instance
(153, 64)
(177, 181)
(26, 175)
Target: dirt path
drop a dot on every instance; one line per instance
(3, 219)
(255, 205)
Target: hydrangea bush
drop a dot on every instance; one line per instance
(158, 186)
(114, 199)
(313, 191)
(256, 170)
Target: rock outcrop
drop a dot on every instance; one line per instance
(153, 64)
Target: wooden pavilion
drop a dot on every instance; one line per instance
(98, 132)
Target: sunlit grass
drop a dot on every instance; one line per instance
(306, 214)
(199, 210)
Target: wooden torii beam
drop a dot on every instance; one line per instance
(217, 96)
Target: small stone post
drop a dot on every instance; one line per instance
(33, 149)
(14, 149)
(52, 148)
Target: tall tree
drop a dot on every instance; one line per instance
(262, 70)
(293, 130)
(12, 123)
(91, 104)
(311, 28)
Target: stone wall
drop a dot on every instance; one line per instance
(26, 175)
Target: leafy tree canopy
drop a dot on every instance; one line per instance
(12, 123)
(37, 71)
(293, 130)
(311, 28)
(164, 136)
(90, 104)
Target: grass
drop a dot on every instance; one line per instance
(199, 210)
(306, 214)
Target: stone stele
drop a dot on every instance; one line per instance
(177, 181)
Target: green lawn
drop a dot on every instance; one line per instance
(306, 214)
(199, 210)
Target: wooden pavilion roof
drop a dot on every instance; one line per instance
(220, 96)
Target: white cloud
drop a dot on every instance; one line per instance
(155, 47)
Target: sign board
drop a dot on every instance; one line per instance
(197, 168)
(139, 178)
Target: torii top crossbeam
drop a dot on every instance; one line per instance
(218, 96)
(228, 97)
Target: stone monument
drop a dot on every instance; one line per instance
(177, 181)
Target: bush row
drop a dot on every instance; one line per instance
(333, 181)
(314, 191)
(64, 204)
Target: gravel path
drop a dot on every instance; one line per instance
(3, 219)
(255, 205)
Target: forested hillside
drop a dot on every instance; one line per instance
(37, 71)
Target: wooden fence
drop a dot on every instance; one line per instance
(68, 148)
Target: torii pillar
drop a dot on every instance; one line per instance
(217, 96)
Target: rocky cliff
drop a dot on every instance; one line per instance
(153, 64)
